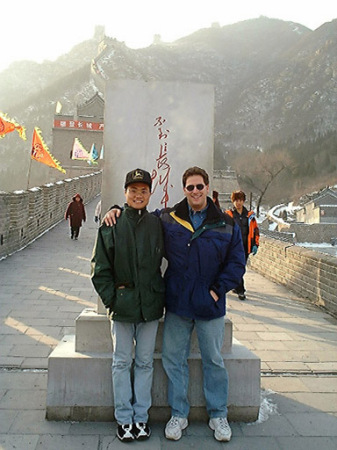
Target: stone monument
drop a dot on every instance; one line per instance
(164, 128)
(161, 127)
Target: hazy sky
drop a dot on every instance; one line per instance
(42, 30)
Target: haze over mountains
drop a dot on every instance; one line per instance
(275, 90)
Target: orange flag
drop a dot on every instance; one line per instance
(41, 153)
(7, 126)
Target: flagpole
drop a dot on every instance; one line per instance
(30, 165)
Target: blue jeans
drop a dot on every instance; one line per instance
(132, 400)
(176, 348)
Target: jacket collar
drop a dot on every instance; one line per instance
(244, 211)
(134, 213)
(213, 213)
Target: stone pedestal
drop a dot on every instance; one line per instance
(93, 334)
(80, 384)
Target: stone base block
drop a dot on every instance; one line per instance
(93, 334)
(80, 385)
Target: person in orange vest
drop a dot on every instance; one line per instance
(249, 231)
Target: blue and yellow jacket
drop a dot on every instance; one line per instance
(210, 257)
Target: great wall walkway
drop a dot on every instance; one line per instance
(45, 286)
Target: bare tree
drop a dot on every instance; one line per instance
(258, 172)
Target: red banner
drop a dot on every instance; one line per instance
(78, 125)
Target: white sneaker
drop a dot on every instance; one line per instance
(174, 428)
(222, 431)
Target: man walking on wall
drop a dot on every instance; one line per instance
(76, 214)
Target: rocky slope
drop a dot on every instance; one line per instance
(275, 83)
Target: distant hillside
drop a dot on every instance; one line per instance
(275, 88)
(28, 93)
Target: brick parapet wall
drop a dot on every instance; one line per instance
(310, 274)
(25, 215)
(314, 232)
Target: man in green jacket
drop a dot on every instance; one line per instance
(127, 276)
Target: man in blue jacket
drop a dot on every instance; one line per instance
(205, 260)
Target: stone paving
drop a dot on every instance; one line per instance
(45, 286)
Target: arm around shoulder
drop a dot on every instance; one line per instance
(110, 218)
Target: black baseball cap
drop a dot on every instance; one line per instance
(138, 176)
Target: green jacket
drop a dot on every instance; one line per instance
(126, 267)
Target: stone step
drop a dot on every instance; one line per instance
(80, 385)
(93, 334)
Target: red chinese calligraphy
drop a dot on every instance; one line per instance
(161, 173)
(37, 151)
(159, 121)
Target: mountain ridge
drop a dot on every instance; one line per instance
(275, 81)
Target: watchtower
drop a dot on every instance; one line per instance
(87, 125)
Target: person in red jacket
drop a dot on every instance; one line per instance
(76, 213)
(249, 231)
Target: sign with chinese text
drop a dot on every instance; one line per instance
(162, 127)
(78, 125)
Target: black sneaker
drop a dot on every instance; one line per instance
(124, 433)
(141, 431)
(242, 296)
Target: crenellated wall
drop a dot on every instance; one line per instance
(310, 274)
(25, 215)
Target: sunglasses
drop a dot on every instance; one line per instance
(190, 187)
